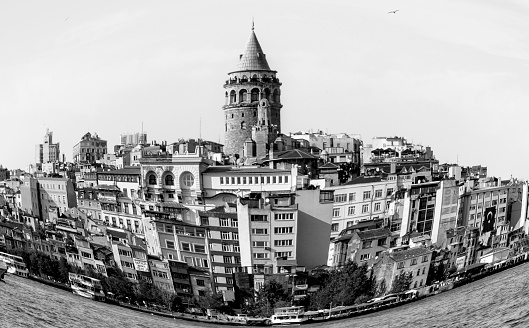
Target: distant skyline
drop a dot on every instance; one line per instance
(451, 75)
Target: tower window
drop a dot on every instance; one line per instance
(243, 125)
(255, 95)
(233, 96)
(242, 96)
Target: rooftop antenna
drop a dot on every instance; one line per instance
(200, 128)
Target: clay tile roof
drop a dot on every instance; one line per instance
(253, 58)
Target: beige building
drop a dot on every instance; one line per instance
(90, 149)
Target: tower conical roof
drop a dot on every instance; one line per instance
(252, 58)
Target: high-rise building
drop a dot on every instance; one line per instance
(248, 85)
(133, 139)
(47, 152)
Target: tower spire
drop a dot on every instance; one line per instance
(253, 23)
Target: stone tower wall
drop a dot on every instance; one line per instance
(237, 110)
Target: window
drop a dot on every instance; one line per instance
(186, 247)
(418, 272)
(413, 262)
(259, 231)
(226, 248)
(367, 195)
(200, 248)
(351, 210)
(261, 255)
(200, 283)
(260, 244)
(382, 242)
(366, 244)
(352, 197)
(169, 180)
(234, 223)
(365, 208)
(423, 270)
(335, 212)
(169, 244)
(227, 259)
(224, 222)
(284, 216)
(389, 192)
(334, 227)
(229, 281)
(188, 180)
(283, 230)
(283, 254)
(400, 265)
(258, 217)
(378, 193)
(340, 198)
(365, 257)
(425, 258)
(152, 179)
(283, 242)
(221, 180)
(225, 235)
(377, 207)
(235, 235)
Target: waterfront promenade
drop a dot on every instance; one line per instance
(499, 300)
(23, 301)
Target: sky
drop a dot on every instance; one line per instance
(451, 74)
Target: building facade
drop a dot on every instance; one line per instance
(90, 149)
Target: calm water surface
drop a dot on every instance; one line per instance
(501, 300)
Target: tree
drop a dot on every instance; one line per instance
(211, 301)
(346, 286)
(402, 282)
(267, 297)
(382, 288)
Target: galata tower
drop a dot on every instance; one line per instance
(250, 82)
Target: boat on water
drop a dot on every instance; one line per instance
(86, 286)
(15, 264)
(290, 315)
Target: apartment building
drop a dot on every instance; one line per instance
(57, 195)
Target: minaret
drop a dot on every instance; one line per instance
(252, 81)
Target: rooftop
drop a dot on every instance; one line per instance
(373, 233)
(409, 253)
(127, 170)
(252, 58)
(242, 170)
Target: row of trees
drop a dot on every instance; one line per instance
(352, 284)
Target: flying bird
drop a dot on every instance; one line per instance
(67, 18)
(393, 12)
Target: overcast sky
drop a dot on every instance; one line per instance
(450, 74)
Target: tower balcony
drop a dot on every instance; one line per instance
(257, 81)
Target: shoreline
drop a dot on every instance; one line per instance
(335, 313)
